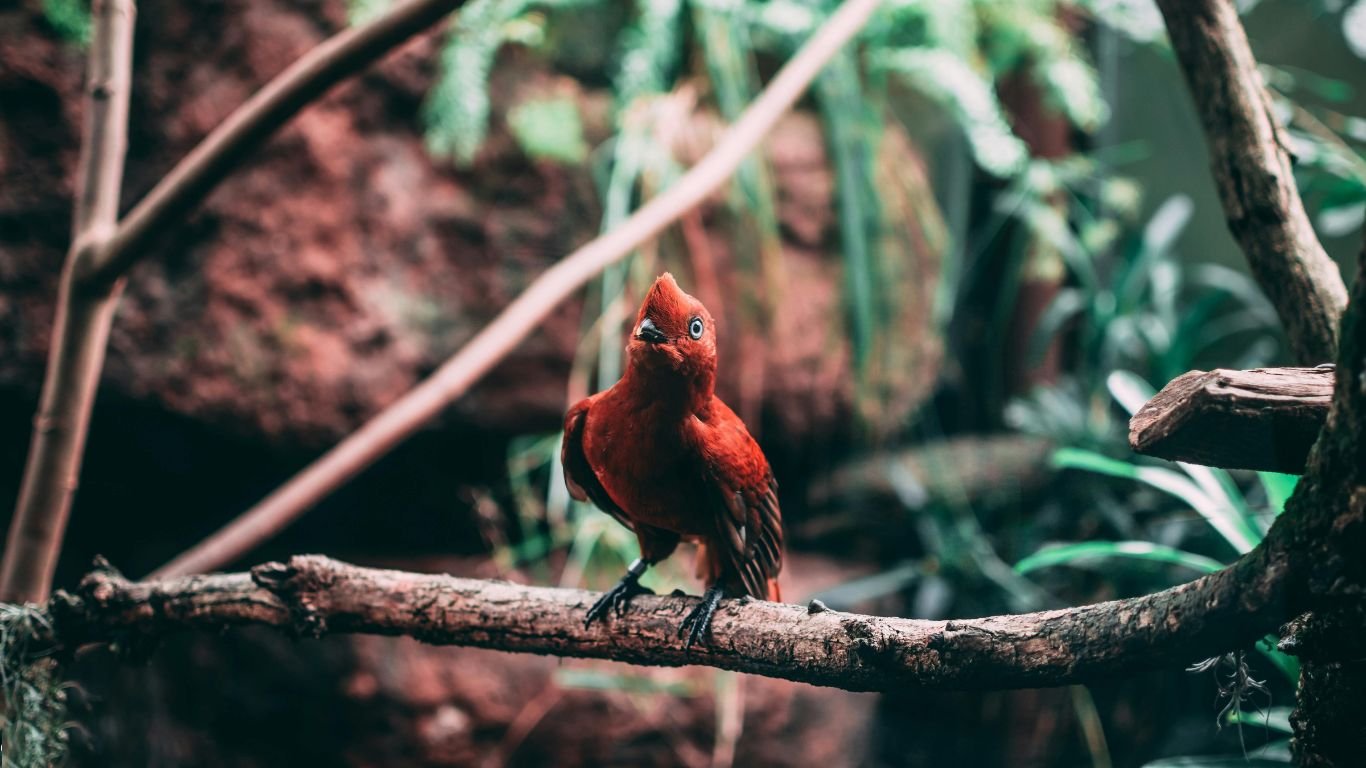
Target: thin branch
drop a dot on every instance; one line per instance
(312, 596)
(1266, 418)
(1253, 173)
(199, 172)
(83, 318)
(400, 420)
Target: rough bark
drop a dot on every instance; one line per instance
(1327, 722)
(1329, 730)
(1266, 418)
(313, 595)
(1253, 173)
(84, 316)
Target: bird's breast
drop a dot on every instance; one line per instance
(644, 465)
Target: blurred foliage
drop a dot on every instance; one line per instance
(549, 129)
(952, 52)
(34, 729)
(1329, 147)
(1133, 304)
(71, 19)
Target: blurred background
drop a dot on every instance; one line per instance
(988, 233)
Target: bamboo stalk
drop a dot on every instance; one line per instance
(84, 316)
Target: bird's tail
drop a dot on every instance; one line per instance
(774, 593)
(710, 569)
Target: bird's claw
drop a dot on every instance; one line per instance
(616, 599)
(698, 620)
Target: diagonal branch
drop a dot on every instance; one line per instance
(312, 595)
(214, 158)
(400, 420)
(84, 316)
(1253, 173)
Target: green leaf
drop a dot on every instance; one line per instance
(841, 100)
(950, 81)
(650, 50)
(1066, 305)
(1129, 390)
(1215, 761)
(549, 129)
(1278, 488)
(1092, 551)
(1223, 518)
(1273, 718)
(71, 19)
(1218, 484)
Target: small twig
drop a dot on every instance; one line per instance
(214, 158)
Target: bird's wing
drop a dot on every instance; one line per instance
(579, 477)
(742, 494)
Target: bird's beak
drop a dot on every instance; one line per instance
(648, 332)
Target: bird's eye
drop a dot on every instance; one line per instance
(695, 328)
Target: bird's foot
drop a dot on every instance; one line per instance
(616, 598)
(698, 621)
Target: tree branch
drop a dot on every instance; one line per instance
(83, 318)
(214, 158)
(1309, 560)
(1253, 173)
(400, 420)
(1265, 419)
(313, 595)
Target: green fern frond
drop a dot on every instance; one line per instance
(949, 25)
(950, 81)
(650, 50)
(1031, 36)
(843, 109)
(457, 108)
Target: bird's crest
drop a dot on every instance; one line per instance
(667, 305)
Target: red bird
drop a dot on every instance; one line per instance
(665, 457)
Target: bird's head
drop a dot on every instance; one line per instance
(674, 332)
